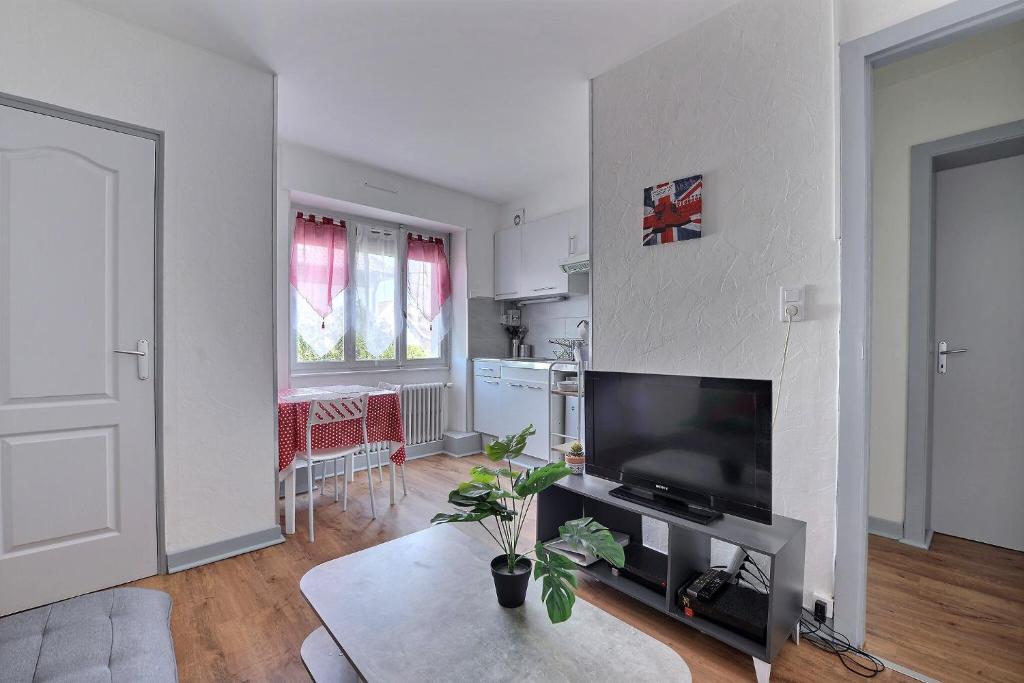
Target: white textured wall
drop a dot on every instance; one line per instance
(218, 397)
(303, 169)
(556, 197)
(746, 99)
(858, 18)
(958, 88)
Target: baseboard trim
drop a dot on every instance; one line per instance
(422, 450)
(886, 528)
(221, 550)
(926, 545)
(909, 673)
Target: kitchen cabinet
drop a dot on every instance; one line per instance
(487, 417)
(508, 263)
(486, 395)
(527, 260)
(525, 403)
(508, 396)
(579, 231)
(545, 244)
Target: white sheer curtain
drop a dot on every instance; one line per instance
(376, 289)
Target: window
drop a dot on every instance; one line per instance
(427, 297)
(394, 309)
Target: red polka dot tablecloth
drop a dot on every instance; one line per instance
(383, 422)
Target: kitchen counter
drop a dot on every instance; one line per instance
(526, 363)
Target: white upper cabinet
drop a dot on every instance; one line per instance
(527, 260)
(508, 263)
(545, 244)
(579, 231)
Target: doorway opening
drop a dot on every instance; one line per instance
(947, 388)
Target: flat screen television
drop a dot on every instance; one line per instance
(695, 446)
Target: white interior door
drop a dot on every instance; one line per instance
(77, 446)
(978, 420)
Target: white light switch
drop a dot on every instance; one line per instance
(791, 298)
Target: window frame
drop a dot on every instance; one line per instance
(350, 364)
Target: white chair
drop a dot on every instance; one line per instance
(397, 388)
(328, 412)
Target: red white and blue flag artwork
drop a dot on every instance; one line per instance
(672, 211)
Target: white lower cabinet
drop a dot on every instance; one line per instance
(517, 397)
(524, 403)
(487, 417)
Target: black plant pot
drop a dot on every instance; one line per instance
(511, 588)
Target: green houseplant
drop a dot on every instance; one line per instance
(575, 458)
(484, 497)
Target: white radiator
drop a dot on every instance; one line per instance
(424, 412)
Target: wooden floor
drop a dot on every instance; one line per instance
(244, 619)
(954, 612)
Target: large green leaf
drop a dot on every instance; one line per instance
(541, 478)
(469, 498)
(478, 490)
(492, 476)
(484, 475)
(445, 517)
(586, 535)
(510, 447)
(558, 584)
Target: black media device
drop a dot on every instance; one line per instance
(706, 586)
(695, 447)
(645, 566)
(736, 607)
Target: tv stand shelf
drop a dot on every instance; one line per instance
(689, 552)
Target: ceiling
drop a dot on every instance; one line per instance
(484, 96)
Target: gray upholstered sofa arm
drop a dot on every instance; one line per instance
(116, 635)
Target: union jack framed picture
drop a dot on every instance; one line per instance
(672, 211)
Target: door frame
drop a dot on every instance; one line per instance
(857, 60)
(926, 159)
(158, 244)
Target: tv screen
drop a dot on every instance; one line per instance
(700, 440)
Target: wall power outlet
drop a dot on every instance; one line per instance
(791, 298)
(827, 599)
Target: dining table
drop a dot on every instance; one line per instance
(383, 426)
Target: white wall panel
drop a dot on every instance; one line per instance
(746, 99)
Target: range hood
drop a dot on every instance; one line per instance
(578, 263)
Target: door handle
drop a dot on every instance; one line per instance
(142, 354)
(944, 351)
(542, 289)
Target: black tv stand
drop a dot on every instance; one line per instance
(666, 504)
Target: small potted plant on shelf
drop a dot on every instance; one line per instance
(575, 458)
(484, 497)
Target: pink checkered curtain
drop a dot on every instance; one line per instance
(430, 287)
(319, 269)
